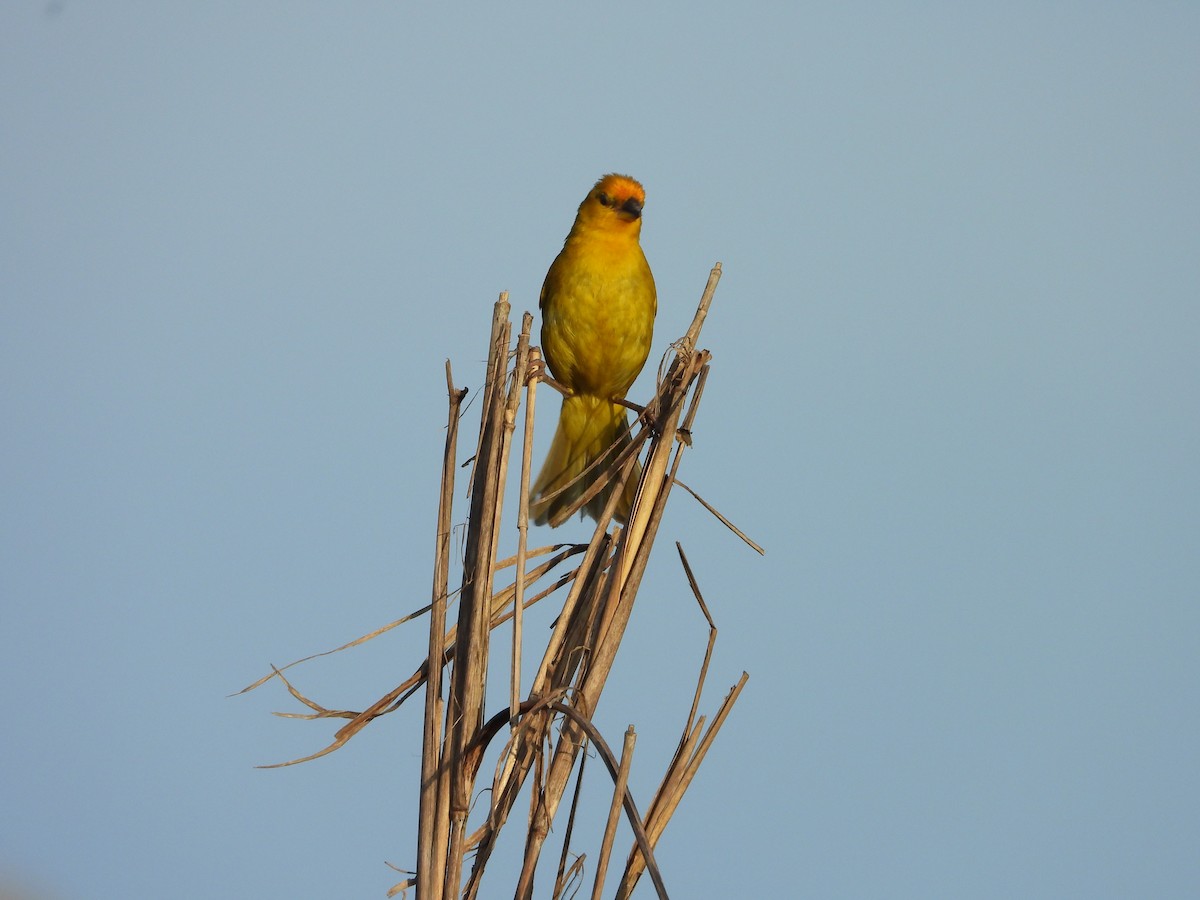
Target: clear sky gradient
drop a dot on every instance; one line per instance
(954, 394)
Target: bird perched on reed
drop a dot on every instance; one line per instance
(598, 304)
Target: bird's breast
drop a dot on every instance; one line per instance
(598, 320)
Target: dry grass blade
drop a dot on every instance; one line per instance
(393, 699)
(724, 521)
(540, 551)
(343, 735)
(277, 670)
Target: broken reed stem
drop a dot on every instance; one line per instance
(465, 710)
(706, 299)
(614, 812)
(429, 886)
(515, 385)
(514, 702)
(712, 636)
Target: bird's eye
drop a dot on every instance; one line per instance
(604, 199)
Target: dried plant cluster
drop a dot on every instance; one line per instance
(547, 725)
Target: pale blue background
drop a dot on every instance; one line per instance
(954, 394)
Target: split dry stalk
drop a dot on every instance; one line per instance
(465, 710)
(522, 532)
(430, 815)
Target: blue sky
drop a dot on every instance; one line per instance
(954, 395)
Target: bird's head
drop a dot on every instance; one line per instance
(615, 202)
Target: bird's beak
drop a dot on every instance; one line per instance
(632, 208)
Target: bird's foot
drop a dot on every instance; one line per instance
(538, 371)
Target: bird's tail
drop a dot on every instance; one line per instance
(589, 428)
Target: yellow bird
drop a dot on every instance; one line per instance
(598, 304)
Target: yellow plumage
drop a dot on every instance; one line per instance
(598, 304)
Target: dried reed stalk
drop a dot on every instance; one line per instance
(580, 651)
(514, 702)
(465, 710)
(614, 812)
(430, 830)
